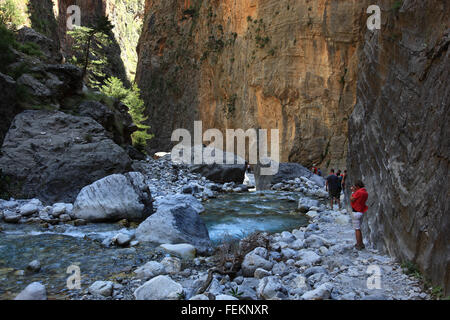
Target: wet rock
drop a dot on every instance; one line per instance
(176, 199)
(113, 198)
(61, 208)
(65, 218)
(28, 209)
(34, 266)
(34, 291)
(122, 239)
(175, 224)
(11, 217)
(159, 288)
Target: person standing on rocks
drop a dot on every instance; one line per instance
(359, 207)
(334, 189)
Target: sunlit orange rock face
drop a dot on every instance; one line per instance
(287, 65)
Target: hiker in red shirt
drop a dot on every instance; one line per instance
(358, 202)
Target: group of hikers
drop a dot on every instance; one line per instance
(337, 183)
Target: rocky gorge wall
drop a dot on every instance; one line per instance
(49, 17)
(290, 65)
(399, 135)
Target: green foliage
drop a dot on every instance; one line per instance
(10, 14)
(131, 98)
(412, 269)
(397, 5)
(29, 48)
(6, 42)
(235, 293)
(89, 48)
(230, 107)
(261, 42)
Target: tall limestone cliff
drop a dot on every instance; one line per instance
(287, 65)
(399, 134)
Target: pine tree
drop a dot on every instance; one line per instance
(89, 47)
(114, 87)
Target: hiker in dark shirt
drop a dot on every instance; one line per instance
(334, 189)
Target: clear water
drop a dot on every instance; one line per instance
(57, 248)
(238, 215)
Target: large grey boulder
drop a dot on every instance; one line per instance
(173, 200)
(51, 155)
(34, 291)
(115, 197)
(159, 288)
(175, 224)
(286, 171)
(217, 172)
(115, 119)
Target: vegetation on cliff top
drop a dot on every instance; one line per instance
(114, 87)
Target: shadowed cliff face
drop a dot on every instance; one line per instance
(399, 139)
(245, 64)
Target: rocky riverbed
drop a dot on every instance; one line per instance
(305, 250)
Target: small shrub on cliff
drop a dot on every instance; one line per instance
(29, 48)
(131, 98)
(10, 14)
(6, 42)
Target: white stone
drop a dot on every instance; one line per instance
(261, 273)
(28, 209)
(254, 260)
(159, 288)
(307, 258)
(183, 250)
(150, 269)
(225, 297)
(199, 297)
(103, 288)
(58, 209)
(34, 291)
(321, 293)
(171, 264)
